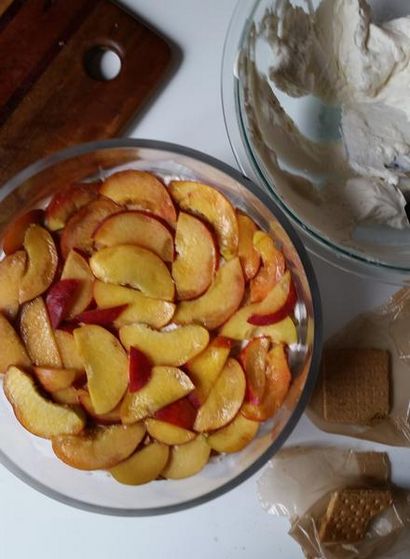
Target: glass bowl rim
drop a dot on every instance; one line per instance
(85, 148)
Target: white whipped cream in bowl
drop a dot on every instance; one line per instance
(316, 99)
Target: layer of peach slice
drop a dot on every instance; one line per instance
(136, 267)
(272, 270)
(166, 385)
(235, 436)
(140, 308)
(209, 203)
(66, 202)
(187, 459)
(12, 350)
(238, 326)
(106, 365)
(217, 304)
(173, 347)
(67, 396)
(247, 253)
(102, 317)
(253, 360)
(68, 350)
(100, 447)
(205, 367)
(180, 413)
(59, 300)
(168, 433)
(37, 414)
(113, 416)
(143, 466)
(140, 190)
(76, 268)
(41, 265)
(55, 379)
(78, 232)
(11, 272)
(139, 369)
(13, 237)
(38, 335)
(136, 228)
(196, 261)
(283, 332)
(278, 378)
(224, 400)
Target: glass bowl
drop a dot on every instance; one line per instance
(31, 458)
(293, 145)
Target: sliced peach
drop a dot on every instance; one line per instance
(38, 336)
(207, 202)
(224, 400)
(11, 272)
(37, 414)
(168, 433)
(217, 304)
(140, 190)
(13, 237)
(205, 367)
(76, 267)
(173, 347)
(67, 396)
(283, 332)
(55, 379)
(247, 253)
(166, 385)
(68, 350)
(66, 202)
(99, 448)
(103, 317)
(140, 308)
(106, 365)
(41, 265)
(253, 359)
(12, 350)
(196, 261)
(187, 459)
(60, 298)
(278, 378)
(78, 232)
(136, 267)
(273, 268)
(113, 416)
(235, 436)
(143, 466)
(139, 369)
(287, 309)
(136, 228)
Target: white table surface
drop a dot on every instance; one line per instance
(188, 111)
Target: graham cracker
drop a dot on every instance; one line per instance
(349, 513)
(356, 385)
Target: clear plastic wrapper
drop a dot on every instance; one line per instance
(298, 482)
(386, 328)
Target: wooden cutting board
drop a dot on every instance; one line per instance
(48, 99)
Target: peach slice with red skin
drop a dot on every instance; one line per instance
(106, 364)
(140, 308)
(66, 202)
(217, 304)
(76, 267)
(100, 316)
(99, 448)
(248, 255)
(234, 436)
(180, 413)
(224, 400)
(139, 369)
(38, 415)
(272, 270)
(140, 190)
(59, 299)
(253, 359)
(196, 261)
(208, 203)
(187, 459)
(278, 379)
(168, 433)
(11, 272)
(12, 349)
(109, 418)
(13, 237)
(38, 335)
(42, 263)
(136, 228)
(260, 319)
(55, 379)
(78, 231)
(136, 267)
(143, 466)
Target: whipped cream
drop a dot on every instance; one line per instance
(337, 54)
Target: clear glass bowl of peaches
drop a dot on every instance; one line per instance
(160, 326)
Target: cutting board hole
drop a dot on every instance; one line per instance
(102, 63)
